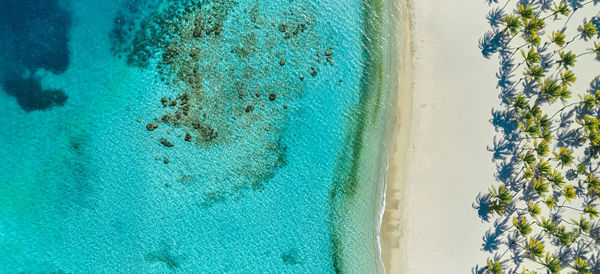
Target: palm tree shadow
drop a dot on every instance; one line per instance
(594, 85)
(489, 2)
(492, 42)
(502, 149)
(492, 237)
(494, 17)
(482, 205)
(505, 82)
(575, 4)
(596, 21)
(568, 138)
(530, 88)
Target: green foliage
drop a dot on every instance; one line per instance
(558, 38)
(548, 226)
(557, 179)
(526, 12)
(581, 266)
(565, 237)
(535, 71)
(528, 158)
(512, 23)
(587, 30)
(561, 8)
(591, 210)
(569, 192)
(583, 224)
(535, 248)
(539, 186)
(557, 143)
(534, 209)
(552, 264)
(532, 26)
(551, 89)
(593, 186)
(542, 148)
(520, 103)
(494, 267)
(499, 199)
(596, 50)
(564, 157)
(567, 59)
(568, 78)
(522, 226)
(550, 202)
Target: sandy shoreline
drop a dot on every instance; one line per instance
(390, 229)
(439, 161)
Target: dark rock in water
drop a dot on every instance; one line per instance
(249, 108)
(166, 143)
(285, 106)
(287, 35)
(188, 137)
(196, 124)
(197, 32)
(272, 96)
(328, 52)
(208, 133)
(30, 95)
(313, 72)
(166, 161)
(164, 101)
(173, 103)
(151, 127)
(282, 62)
(291, 257)
(282, 27)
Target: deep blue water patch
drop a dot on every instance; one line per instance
(30, 95)
(35, 36)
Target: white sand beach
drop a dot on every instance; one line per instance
(440, 161)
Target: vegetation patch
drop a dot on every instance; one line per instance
(544, 208)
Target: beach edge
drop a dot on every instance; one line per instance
(391, 228)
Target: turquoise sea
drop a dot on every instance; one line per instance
(215, 136)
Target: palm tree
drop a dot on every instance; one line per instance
(587, 30)
(564, 157)
(512, 23)
(581, 266)
(567, 59)
(534, 171)
(562, 8)
(494, 267)
(558, 38)
(552, 264)
(596, 50)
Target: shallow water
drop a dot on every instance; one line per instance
(85, 186)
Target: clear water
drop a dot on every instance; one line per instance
(84, 186)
